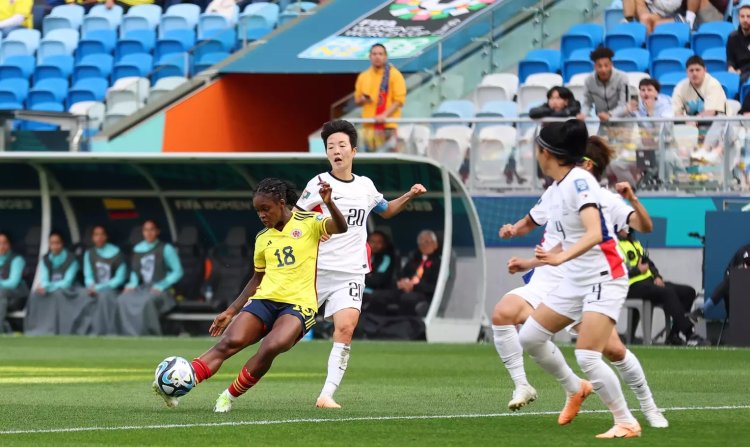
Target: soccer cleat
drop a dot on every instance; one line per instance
(522, 396)
(622, 431)
(656, 419)
(223, 403)
(326, 402)
(171, 401)
(573, 403)
(696, 340)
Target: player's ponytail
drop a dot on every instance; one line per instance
(600, 153)
(291, 192)
(278, 189)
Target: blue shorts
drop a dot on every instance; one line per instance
(269, 311)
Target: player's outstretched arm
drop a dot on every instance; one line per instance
(337, 223)
(221, 322)
(521, 228)
(640, 220)
(395, 206)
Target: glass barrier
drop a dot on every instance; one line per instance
(497, 155)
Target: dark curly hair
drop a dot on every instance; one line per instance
(278, 189)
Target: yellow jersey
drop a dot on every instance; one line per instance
(289, 259)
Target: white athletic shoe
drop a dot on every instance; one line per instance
(171, 401)
(656, 419)
(223, 403)
(522, 396)
(326, 402)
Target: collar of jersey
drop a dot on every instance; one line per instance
(340, 180)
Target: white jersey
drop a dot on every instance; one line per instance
(616, 209)
(539, 214)
(345, 252)
(577, 190)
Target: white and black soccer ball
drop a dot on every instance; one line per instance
(175, 376)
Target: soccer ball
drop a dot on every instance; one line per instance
(175, 376)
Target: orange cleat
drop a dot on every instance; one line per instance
(622, 431)
(326, 402)
(574, 402)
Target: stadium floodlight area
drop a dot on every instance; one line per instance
(73, 191)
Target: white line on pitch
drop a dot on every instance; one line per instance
(351, 419)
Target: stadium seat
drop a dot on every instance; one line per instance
(179, 16)
(631, 59)
(494, 147)
(140, 17)
(635, 77)
(455, 108)
(48, 90)
(744, 91)
(578, 62)
(232, 265)
(63, 17)
(210, 24)
(130, 89)
(175, 41)
(20, 66)
(59, 41)
(613, 16)
(138, 65)
(193, 260)
(576, 85)
(94, 66)
(208, 60)
(730, 82)
(711, 35)
(668, 35)
(58, 66)
(92, 110)
(89, 89)
(626, 35)
(715, 59)
(733, 107)
(547, 80)
(96, 42)
(539, 61)
(669, 61)
(165, 85)
(102, 18)
(224, 41)
(670, 80)
(11, 106)
(298, 6)
(43, 107)
(584, 35)
(135, 42)
(14, 90)
(496, 87)
(123, 110)
(170, 65)
(505, 109)
(20, 42)
(449, 145)
(258, 16)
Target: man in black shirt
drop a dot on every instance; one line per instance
(738, 46)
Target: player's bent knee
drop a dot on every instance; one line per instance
(614, 353)
(344, 332)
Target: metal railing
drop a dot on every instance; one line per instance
(497, 155)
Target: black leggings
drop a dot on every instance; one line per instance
(675, 299)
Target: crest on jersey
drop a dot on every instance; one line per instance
(320, 217)
(581, 185)
(306, 194)
(296, 233)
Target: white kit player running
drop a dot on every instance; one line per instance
(595, 281)
(517, 305)
(343, 260)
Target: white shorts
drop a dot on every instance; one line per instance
(606, 298)
(339, 290)
(532, 293)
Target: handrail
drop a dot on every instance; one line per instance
(492, 119)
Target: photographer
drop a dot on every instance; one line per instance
(646, 283)
(740, 260)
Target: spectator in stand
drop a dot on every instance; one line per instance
(382, 263)
(13, 289)
(738, 46)
(560, 104)
(700, 94)
(15, 14)
(104, 272)
(652, 12)
(705, 11)
(87, 4)
(606, 89)
(126, 4)
(225, 8)
(651, 104)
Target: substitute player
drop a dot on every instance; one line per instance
(279, 302)
(344, 259)
(515, 306)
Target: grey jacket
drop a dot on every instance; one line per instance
(610, 97)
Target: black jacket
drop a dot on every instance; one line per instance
(429, 277)
(545, 111)
(738, 54)
(741, 258)
(383, 272)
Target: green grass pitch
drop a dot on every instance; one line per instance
(96, 391)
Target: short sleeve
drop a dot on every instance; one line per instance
(619, 211)
(377, 201)
(585, 191)
(359, 85)
(538, 212)
(310, 197)
(259, 257)
(399, 86)
(319, 225)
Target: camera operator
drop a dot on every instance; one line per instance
(740, 260)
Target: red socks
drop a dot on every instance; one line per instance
(242, 383)
(202, 371)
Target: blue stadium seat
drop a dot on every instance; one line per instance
(710, 35)
(260, 15)
(631, 59)
(715, 59)
(89, 89)
(14, 90)
(135, 42)
(51, 106)
(455, 108)
(300, 7)
(170, 65)
(539, 61)
(730, 82)
(251, 34)
(57, 66)
(102, 18)
(670, 80)
(59, 41)
(208, 60)
(226, 39)
(48, 90)
(584, 35)
(578, 62)
(287, 16)
(141, 17)
(505, 109)
(180, 16)
(17, 67)
(138, 65)
(175, 41)
(94, 66)
(63, 17)
(669, 61)
(212, 24)
(11, 105)
(96, 42)
(668, 35)
(626, 35)
(612, 17)
(20, 42)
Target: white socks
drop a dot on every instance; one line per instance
(690, 18)
(632, 374)
(536, 342)
(605, 383)
(508, 346)
(337, 362)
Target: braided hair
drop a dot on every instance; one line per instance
(278, 189)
